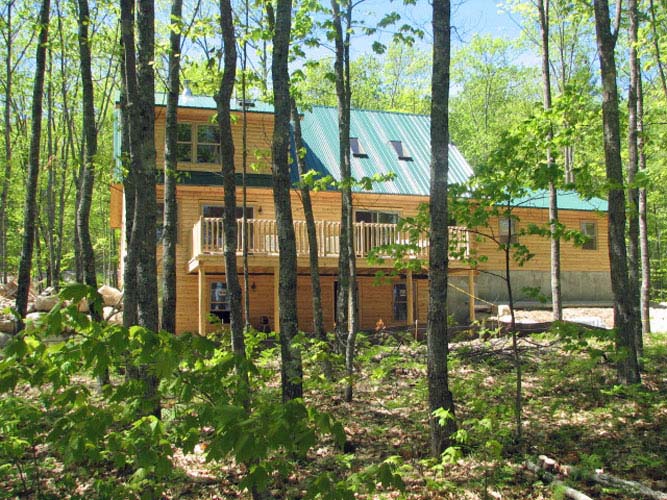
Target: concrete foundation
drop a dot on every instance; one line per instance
(576, 287)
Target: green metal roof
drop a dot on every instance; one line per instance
(375, 131)
(206, 102)
(567, 200)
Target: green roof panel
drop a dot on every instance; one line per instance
(376, 130)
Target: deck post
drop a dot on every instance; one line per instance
(203, 296)
(276, 299)
(409, 288)
(471, 292)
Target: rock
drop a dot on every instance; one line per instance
(83, 306)
(33, 319)
(4, 338)
(7, 325)
(45, 303)
(503, 310)
(113, 315)
(111, 296)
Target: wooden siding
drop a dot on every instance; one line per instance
(260, 132)
(573, 258)
(116, 206)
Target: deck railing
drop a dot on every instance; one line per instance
(262, 234)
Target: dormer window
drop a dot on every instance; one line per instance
(401, 150)
(357, 150)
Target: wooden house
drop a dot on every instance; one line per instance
(381, 143)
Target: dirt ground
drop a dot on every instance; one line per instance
(596, 316)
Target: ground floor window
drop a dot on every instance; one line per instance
(220, 301)
(400, 302)
(590, 230)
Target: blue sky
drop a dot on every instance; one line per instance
(469, 17)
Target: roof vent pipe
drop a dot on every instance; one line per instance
(186, 89)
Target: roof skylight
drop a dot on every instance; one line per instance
(401, 151)
(357, 150)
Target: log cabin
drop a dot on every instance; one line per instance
(381, 143)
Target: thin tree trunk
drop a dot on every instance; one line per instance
(170, 171)
(634, 272)
(49, 195)
(223, 99)
(30, 207)
(313, 252)
(439, 395)
(644, 247)
(90, 134)
(556, 299)
(291, 368)
(346, 315)
(8, 146)
(244, 167)
(625, 320)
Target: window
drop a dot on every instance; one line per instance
(357, 150)
(184, 148)
(376, 216)
(220, 301)
(216, 211)
(199, 143)
(400, 302)
(590, 230)
(507, 230)
(401, 150)
(208, 144)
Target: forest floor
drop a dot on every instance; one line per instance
(572, 412)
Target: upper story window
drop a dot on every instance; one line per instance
(357, 150)
(198, 143)
(590, 230)
(507, 230)
(208, 144)
(184, 151)
(401, 150)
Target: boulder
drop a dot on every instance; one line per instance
(44, 303)
(113, 315)
(34, 318)
(7, 325)
(4, 338)
(83, 306)
(111, 296)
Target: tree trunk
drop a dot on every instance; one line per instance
(645, 297)
(625, 319)
(556, 301)
(8, 146)
(440, 396)
(632, 169)
(30, 207)
(139, 88)
(228, 174)
(90, 134)
(291, 368)
(170, 171)
(313, 252)
(346, 314)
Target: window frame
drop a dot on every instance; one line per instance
(509, 235)
(400, 149)
(375, 214)
(195, 143)
(198, 143)
(592, 242)
(180, 142)
(357, 149)
(399, 302)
